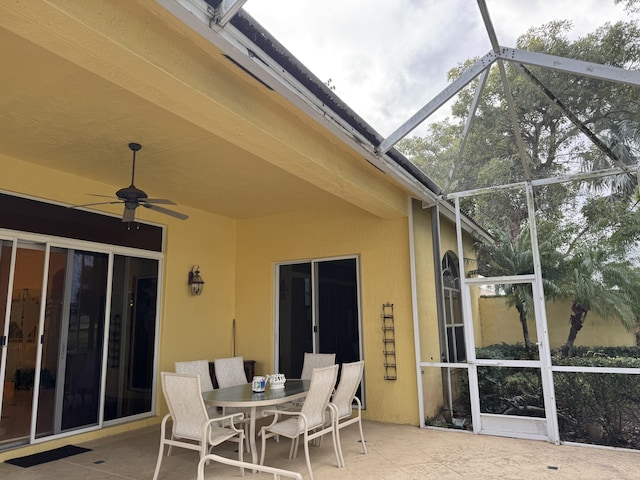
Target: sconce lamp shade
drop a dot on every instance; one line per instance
(196, 283)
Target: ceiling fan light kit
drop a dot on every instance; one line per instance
(133, 197)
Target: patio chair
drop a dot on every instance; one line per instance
(201, 369)
(316, 360)
(191, 426)
(230, 371)
(309, 422)
(276, 472)
(342, 403)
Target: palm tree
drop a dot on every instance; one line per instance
(506, 257)
(595, 283)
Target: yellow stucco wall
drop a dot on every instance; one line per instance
(237, 260)
(426, 304)
(501, 324)
(382, 246)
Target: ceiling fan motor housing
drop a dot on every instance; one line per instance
(131, 194)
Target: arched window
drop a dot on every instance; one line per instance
(454, 327)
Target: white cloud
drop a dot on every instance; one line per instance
(388, 59)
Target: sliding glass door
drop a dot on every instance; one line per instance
(318, 311)
(78, 336)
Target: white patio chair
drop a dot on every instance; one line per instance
(192, 428)
(308, 423)
(309, 362)
(342, 402)
(316, 360)
(230, 371)
(276, 472)
(201, 369)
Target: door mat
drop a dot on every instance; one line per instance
(48, 456)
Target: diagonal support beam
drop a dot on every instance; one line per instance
(467, 127)
(488, 24)
(439, 100)
(569, 65)
(524, 156)
(557, 103)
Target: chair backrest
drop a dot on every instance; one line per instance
(186, 406)
(230, 371)
(199, 368)
(323, 380)
(316, 360)
(350, 378)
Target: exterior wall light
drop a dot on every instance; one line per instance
(196, 283)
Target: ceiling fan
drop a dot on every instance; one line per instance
(133, 197)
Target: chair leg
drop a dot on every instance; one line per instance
(246, 444)
(306, 454)
(170, 446)
(263, 434)
(163, 427)
(241, 450)
(293, 450)
(159, 461)
(338, 445)
(364, 445)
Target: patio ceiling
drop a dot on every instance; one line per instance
(73, 98)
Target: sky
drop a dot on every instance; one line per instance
(387, 59)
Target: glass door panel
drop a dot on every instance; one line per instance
(7, 384)
(132, 329)
(21, 345)
(295, 334)
(337, 317)
(73, 341)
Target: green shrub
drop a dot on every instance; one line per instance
(611, 400)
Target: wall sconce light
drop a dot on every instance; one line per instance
(196, 283)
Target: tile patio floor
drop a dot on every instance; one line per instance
(396, 452)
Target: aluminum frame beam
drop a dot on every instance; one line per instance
(561, 64)
(467, 127)
(439, 100)
(226, 10)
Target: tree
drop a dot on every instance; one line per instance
(506, 257)
(611, 289)
(554, 145)
(592, 227)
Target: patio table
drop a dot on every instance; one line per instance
(243, 396)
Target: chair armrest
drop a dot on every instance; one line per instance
(238, 417)
(276, 472)
(287, 413)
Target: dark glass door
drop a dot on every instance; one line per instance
(318, 311)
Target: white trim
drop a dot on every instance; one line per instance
(414, 311)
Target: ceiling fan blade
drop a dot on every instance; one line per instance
(98, 195)
(92, 204)
(166, 211)
(164, 201)
(129, 214)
